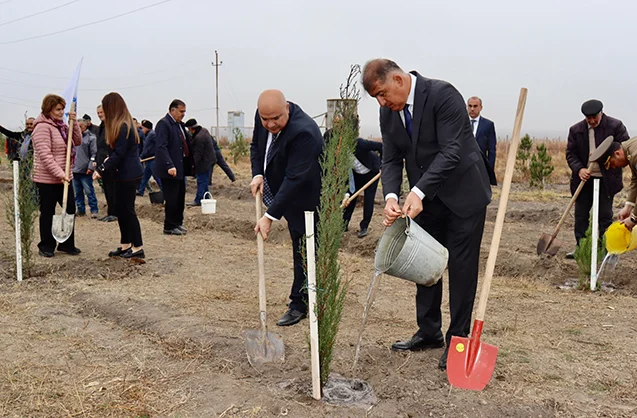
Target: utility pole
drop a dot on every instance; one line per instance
(217, 64)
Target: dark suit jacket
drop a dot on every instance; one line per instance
(578, 150)
(203, 152)
(443, 159)
(169, 149)
(485, 137)
(149, 145)
(123, 161)
(367, 152)
(293, 173)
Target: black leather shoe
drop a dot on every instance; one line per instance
(118, 252)
(291, 317)
(136, 254)
(362, 233)
(174, 231)
(442, 364)
(570, 256)
(47, 254)
(418, 343)
(70, 251)
(183, 228)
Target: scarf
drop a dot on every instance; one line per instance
(64, 131)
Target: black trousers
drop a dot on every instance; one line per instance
(368, 199)
(175, 197)
(129, 228)
(462, 237)
(110, 192)
(298, 294)
(50, 195)
(583, 206)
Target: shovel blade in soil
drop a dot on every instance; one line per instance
(548, 245)
(264, 347)
(470, 363)
(62, 226)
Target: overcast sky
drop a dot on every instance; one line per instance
(564, 52)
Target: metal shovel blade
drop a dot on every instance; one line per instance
(471, 362)
(62, 226)
(264, 347)
(548, 245)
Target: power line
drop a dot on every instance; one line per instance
(4, 2)
(85, 24)
(38, 13)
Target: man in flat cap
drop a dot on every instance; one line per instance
(618, 156)
(583, 138)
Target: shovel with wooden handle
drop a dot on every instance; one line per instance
(62, 226)
(547, 243)
(349, 200)
(263, 346)
(471, 362)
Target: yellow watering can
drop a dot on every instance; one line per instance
(619, 239)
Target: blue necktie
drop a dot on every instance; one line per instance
(268, 197)
(407, 120)
(352, 184)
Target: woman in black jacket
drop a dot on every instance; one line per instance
(123, 163)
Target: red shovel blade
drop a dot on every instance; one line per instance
(471, 362)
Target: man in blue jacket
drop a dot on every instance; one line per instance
(148, 152)
(285, 150)
(172, 165)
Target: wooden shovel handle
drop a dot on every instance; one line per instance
(67, 171)
(502, 207)
(261, 262)
(570, 205)
(147, 159)
(355, 195)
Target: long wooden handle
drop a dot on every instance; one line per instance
(502, 207)
(355, 195)
(261, 262)
(147, 159)
(570, 205)
(67, 171)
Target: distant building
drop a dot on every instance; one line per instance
(235, 120)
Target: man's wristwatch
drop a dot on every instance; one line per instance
(633, 218)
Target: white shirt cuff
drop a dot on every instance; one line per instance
(418, 192)
(391, 195)
(258, 175)
(631, 204)
(270, 217)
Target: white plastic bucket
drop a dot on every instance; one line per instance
(408, 252)
(208, 205)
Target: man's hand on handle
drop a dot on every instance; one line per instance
(584, 174)
(412, 206)
(263, 226)
(392, 211)
(625, 212)
(172, 172)
(256, 185)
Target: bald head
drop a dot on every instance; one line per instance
(274, 110)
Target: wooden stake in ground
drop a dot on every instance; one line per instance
(16, 214)
(311, 292)
(595, 234)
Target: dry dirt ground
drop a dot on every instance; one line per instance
(89, 336)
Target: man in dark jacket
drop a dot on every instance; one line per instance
(221, 162)
(285, 150)
(171, 156)
(94, 129)
(148, 152)
(366, 165)
(108, 180)
(583, 138)
(15, 140)
(203, 157)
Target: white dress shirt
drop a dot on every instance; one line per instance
(475, 125)
(410, 103)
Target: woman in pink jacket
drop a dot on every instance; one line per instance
(50, 137)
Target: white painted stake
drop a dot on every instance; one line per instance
(595, 234)
(16, 214)
(311, 291)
